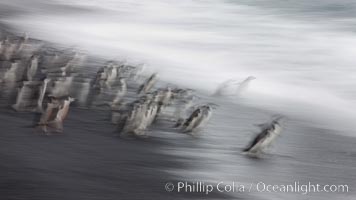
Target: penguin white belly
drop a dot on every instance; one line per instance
(32, 70)
(153, 114)
(149, 85)
(272, 136)
(42, 94)
(195, 121)
(204, 119)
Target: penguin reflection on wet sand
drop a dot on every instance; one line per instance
(268, 134)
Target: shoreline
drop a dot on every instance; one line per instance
(88, 161)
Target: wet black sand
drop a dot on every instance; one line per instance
(90, 161)
(87, 161)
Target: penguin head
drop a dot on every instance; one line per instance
(212, 105)
(250, 78)
(276, 118)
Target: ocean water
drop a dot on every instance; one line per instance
(301, 53)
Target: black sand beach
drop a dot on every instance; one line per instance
(89, 160)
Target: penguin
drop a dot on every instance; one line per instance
(62, 113)
(24, 96)
(77, 60)
(221, 89)
(268, 134)
(48, 115)
(22, 43)
(143, 120)
(140, 117)
(197, 119)
(2, 47)
(10, 49)
(165, 97)
(137, 73)
(11, 75)
(182, 108)
(111, 75)
(42, 94)
(120, 93)
(84, 92)
(244, 85)
(62, 86)
(148, 84)
(10, 80)
(152, 112)
(32, 69)
(133, 120)
(101, 78)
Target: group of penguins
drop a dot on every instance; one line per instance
(36, 77)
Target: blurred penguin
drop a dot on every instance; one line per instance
(84, 92)
(120, 93)
(62, 86)
(243, 86)
(269, 132)
(49, 114)
(222, 88)
(148, 84)
(25, 96)
(32, 68)
(112, 75)
(197, 119)
(43, 90)
(62, 113)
